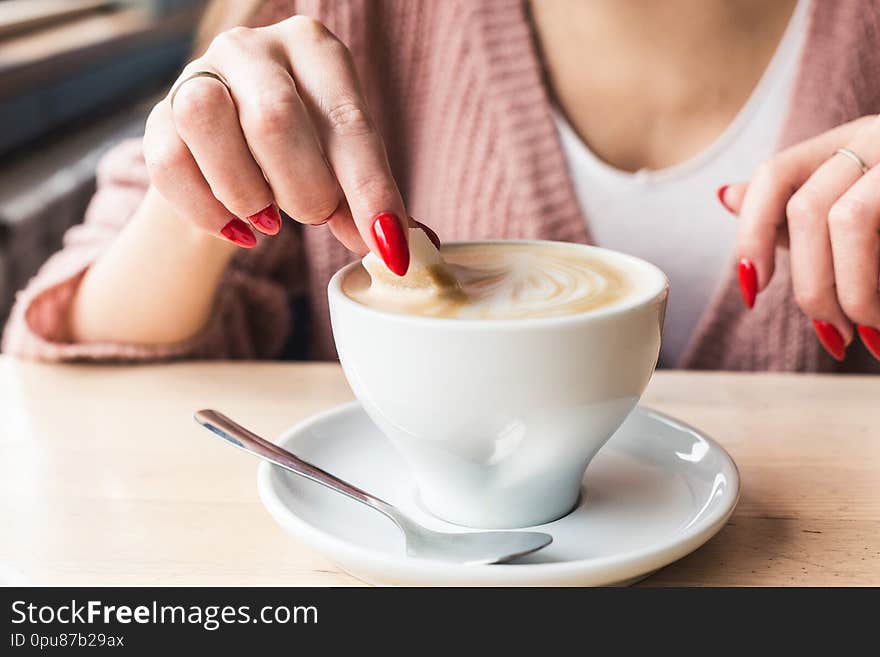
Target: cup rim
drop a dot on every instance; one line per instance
(653, 294)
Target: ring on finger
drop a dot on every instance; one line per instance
(199, 74)
(859, 162)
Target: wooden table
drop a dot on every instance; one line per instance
(105, 478)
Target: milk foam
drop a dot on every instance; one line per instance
(489, 281)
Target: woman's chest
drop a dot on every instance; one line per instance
(650, 90)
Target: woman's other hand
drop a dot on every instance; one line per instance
(822, 206)
(285, 126)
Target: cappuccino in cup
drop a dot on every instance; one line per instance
(493, 281)
(499, 369)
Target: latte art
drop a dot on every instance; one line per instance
(493, 281)
(518, 281)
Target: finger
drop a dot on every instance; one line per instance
(810, 218)
(854, 226)
(812, 262)
(206, 120)
(342, 226)
(328, 84)
(762, 211)
(276, 124)
(732, 197)
(176, 176)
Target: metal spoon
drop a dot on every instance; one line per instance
(463, 547)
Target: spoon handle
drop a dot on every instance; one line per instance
(235, 434)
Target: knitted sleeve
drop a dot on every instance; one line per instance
(250, 315)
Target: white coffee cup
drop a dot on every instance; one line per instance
(499, 419)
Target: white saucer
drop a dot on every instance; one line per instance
(657, 491)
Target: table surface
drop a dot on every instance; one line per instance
(106, 480)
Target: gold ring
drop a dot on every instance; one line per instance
(860, 163)
(199, 74)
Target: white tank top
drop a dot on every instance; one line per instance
(671, 217)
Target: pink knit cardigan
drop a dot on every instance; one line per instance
(458, 90)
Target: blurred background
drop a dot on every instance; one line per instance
(76, 76)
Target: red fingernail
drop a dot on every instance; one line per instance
(720, 194)
(238, 232)
(391, 242)
(429, 232)
(267, 220)
(871, 340)
(748, 281)
(830, 338)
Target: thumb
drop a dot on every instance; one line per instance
(731, 196)
(413, 223)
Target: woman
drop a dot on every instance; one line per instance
(606, 121)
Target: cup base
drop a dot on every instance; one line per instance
(500, 519)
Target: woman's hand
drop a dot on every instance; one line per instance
(291, 130)
(826, 211)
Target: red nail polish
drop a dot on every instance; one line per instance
(267, 220)
(830, 338)
(238, 232)
(429, 232)
(720, 194)
(391, 242)
(871, 340)
(748, 281)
